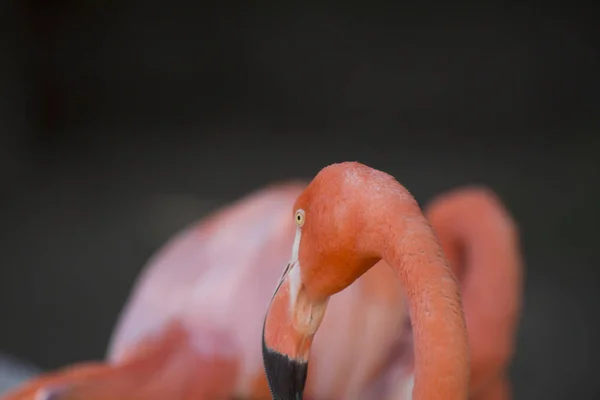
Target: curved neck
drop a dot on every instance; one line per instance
(440, 336)
(481, 241)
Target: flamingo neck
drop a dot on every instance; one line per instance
(480, 239)
(440, 335)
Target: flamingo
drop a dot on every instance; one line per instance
(193, 325)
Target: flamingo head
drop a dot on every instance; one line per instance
(333, 246)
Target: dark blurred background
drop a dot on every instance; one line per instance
(122, 123)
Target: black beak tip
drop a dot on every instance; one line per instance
(286, 376)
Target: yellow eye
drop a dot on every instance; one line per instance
(299, 218)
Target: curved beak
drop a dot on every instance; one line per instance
(290, 324)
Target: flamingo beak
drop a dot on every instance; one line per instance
(290, 324)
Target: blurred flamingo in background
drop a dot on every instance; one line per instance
(192, 327)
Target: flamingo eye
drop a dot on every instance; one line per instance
(299, 218)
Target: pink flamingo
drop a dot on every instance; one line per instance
(193, 325)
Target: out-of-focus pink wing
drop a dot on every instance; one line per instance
(219, 275)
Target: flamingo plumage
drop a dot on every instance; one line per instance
(193, 324)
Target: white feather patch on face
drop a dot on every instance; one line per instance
(408, 387)
(296, 245)
(294, 274)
